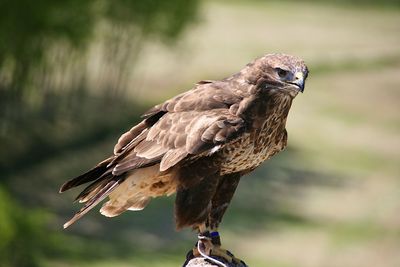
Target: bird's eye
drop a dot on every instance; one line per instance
(282, 73)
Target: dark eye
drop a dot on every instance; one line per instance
(282, 73)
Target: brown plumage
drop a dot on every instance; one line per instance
(198, 144)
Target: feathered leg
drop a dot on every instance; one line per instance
(209, 243)
(220, 203)
(197, 187)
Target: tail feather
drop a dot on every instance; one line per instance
(91, 190)
(93, 201)
(128, 191)
(89, 176)
(94, 187)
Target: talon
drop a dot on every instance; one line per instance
(226, 255)
(221, 254)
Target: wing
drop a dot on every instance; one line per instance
(200, 120)
(206, 95)
(191, 123)
(178, 135)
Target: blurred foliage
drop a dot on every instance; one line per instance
(48, 106)
(66, 120)
(22, 233)
(44, 74)
(28, 29)
(44, 94)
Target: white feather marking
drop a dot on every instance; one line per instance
(214, 149)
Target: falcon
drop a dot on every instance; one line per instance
(198, 145)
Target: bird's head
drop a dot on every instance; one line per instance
(280, 72)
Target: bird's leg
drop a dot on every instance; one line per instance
(209, 243)
(204, 241)
(220, 203)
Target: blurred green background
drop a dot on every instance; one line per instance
(76, 74)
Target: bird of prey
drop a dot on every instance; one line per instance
(198, 145)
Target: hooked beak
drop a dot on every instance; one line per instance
(299, 81)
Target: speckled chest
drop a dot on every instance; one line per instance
(251, 150)
(266, 138)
